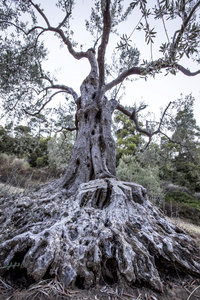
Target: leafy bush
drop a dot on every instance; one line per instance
(183, 198)
(40, 162)
(130, 170)
(4, 158)
(59, 151)
(181, 204)
(20, 164)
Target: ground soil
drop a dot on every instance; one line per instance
(185, 288)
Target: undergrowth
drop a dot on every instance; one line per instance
(181, 204)
(16, 174)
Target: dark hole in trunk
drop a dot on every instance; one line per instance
(79, 283)
(47, 275)
(98, 116)
(86, 116)
(18, 277)
(168, 271)
(109, 271)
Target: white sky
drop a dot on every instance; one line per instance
(155, 92)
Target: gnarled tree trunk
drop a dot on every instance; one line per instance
(94, 152)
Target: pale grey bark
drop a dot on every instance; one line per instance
(107, 232)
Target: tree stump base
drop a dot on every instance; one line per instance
(107, 232)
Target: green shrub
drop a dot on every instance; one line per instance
(183, 198)
(4, 159)
(181, 204)
(130, 170)
(59, 151)
(40, 162)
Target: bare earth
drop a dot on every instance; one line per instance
(187, 288)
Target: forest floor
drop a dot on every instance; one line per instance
(182, 289)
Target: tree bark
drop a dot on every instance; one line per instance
(94, 152)
(106, 233)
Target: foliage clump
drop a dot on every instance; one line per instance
(131, 170)
(181, 204)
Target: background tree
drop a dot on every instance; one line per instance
(182, 150)
(127, 139)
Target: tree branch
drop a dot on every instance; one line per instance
(124, 75)
(66, 128)
(67, 42)
(104, 42)
(13, 24)
(186, 20)
(164, 113)
(43, 106)
(142, 70)
(59, 31)
(65, 89)
(186, 71)
(40, 12)
(133, 116)
(182, 145)
(64, 20)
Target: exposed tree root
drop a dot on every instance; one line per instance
(108, 232)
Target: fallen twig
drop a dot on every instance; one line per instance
(193, 292)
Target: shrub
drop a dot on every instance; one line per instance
(130, 170)
(183, 198)
(181, 204)
(40, 162)
(4, 159)
(20, 164)
(59, 151)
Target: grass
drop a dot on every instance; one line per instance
(191, 229)
(7, 188)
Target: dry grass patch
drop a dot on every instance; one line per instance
(7, 188)
(192, 229)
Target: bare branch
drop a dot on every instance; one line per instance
(35, 28)
(43, 106)
(65, 89)
(62, 89)
(66, 128)
(124, 75)
(67, 42)
(133, 116)
(163, 115)
(104, 42)
(186, 71)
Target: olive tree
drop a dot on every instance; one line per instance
(89, 228)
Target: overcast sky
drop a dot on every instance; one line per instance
(155, 92)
